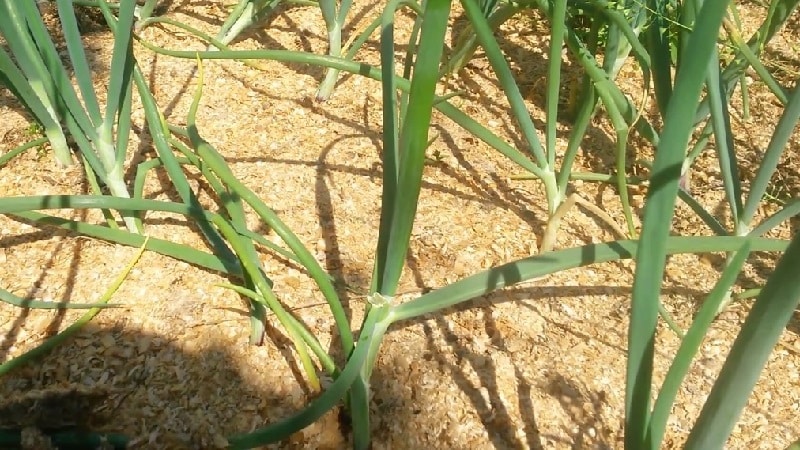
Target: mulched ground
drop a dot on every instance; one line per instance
(538, 365)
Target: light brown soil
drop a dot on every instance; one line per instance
(538, 365)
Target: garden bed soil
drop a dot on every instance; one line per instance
(538, 365)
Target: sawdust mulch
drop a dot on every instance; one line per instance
(539, 365)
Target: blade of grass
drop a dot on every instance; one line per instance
(159, 132)
(618, 43)
(13, 153)
(120, 74)
(448, 109)
(246, 14)
(37, 54)
(583, 118)
(467, 43)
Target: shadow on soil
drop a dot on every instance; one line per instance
(173, 396)
(170, 393)
(155, 391)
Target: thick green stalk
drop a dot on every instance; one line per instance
(31, 88)
(413, 140)
(404, 161)
(329, 399)
(658, 212)
(558, 26)
(334, 22)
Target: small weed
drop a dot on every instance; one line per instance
(34, 130)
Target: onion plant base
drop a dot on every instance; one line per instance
(551, 230)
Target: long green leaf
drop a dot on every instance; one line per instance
(8, 297)
(217, 164)
(723, 138)
(39, 59)
(540, 265)
(159, 132)
(119, 79)
(789, 210)
(658, 211)
(178, 251)
(404, 161)
(761, 330)
(690, 344)
(391, 143)
(557, 28)
(769, 161)
(245, 249)
(658, 42)
(28, 81)
(233, 205)
(77, 56)
(779, 12)
(506, 79)
(413, 141)
(39, 106)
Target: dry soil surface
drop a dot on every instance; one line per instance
(538, 365)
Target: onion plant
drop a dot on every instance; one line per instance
(248, 13)
(621, 23)
(402, 174)
(141, 12)
(713, 116)
(387, 311)
(34, 72)
(406, 125)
